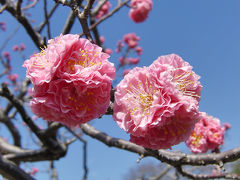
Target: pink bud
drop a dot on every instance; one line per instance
(22, 47)
(15, 48)
(138, 50)
(108, 51)
(126, 71)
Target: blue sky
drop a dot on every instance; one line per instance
(204, 33)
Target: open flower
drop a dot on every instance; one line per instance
(140, 10)
(149, 105)
(207, 135)
(72, 80)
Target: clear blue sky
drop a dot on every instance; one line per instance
(204, 33)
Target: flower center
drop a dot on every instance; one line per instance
(196, 140)
(140, 98)
(83, 58)
(185, 84)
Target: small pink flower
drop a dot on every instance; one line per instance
(72, 80)
(134, 60)
(140, 10)
(126, 71)
(102, 39)
(104, 10)
(207, 134)
(34, 171)
(149, 105)
(227, 126)
(6, 55)
(13, 77)
(131, 40)
(3, 26)
(15, 48)
(22, 47)
(138, 50)
(108, 51)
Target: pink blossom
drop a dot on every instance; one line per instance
(15, 48)
(13, 77)
(140, 10)
(102, 39)
(134, 60)
(207, 134)
(104, 10)
(3, 26)
(126, 71)
(131, 40)
(120, 45)
(155, 113)
(72, 80)
(108, 51)
(22, 47)
(138, 50)
(34, 171)
(227, 126)
(6, 55)
(185, 80)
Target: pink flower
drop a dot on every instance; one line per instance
(134, 60)
(138, 50)
(3, 26)
(22, 47)
(15, 48)
(140, 10)
(102, 39)
(131, 40)
(104, 10)
(227, 126)
(126, 71)
(207, 134)
(34, 171)
(155, 113)
(72, 80)
(13, 77)
(185, 80)
(108, 51)
(6, 55)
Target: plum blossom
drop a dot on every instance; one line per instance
(15, 48)
(71, 79)
(13, 77)
(140, 9)
(207, 135)
(151, 104)
(131, 40)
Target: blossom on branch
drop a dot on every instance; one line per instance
(158, 105)
(140, 10)
(104, 10)
(207, 135)
(71, 79)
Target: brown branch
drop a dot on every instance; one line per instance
(84, 152)
(47, 141)
(47, 17)
(119, 6)
(24, 21)
(172, 158)
(12, 171)
(30, 5)
(18, 7)
(204, 176)
(69, 23)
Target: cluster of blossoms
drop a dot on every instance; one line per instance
(158, 105)
(102, 40)
(131, 41)
(71, 79)
(140, 9)
(207, 134)
(103, 10)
